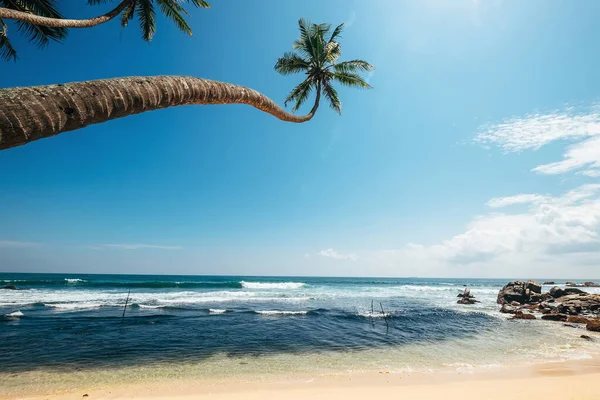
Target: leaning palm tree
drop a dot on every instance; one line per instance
(317, 57)
(32, 113)
(41, 22)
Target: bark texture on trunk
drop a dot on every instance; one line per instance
(36, 112)
(8, 13)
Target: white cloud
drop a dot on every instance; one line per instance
(562, 225)
(124, 246)
(537, 130)
(330, 253)
(12, 243)
(518, 199)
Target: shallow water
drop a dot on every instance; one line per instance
(252, 327)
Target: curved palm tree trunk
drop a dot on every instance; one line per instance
(7, 13)
(32, 113)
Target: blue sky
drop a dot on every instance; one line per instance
(473, 155)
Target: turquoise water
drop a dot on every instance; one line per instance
(240, 326)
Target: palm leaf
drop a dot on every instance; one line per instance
(174, 11)
(128, 13)
(350, 79)
(353, 66)
(147, 17)
(7, 52)
(40, 35)
(300, 93)
(200, 3)
(331, 94)
(336, 32)
(291, 63)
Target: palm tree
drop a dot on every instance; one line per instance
(32, 113)
(40, 20)
(317, 57)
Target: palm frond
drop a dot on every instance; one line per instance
(350, 79)
(173, 10)
(353, 66)
(336, 32)
(147, 17)
(40, 35)
(291, 63)
(200, 3)
(300, 93)
(331, 94)
(7, 52)
(128, 14)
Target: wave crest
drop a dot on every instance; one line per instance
(272, 285)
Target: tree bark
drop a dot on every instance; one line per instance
(32, 113)
(8, 13)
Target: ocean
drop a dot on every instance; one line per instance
(67, 330)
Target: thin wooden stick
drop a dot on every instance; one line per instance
(372, 314)
(125, 308)
(384, 316)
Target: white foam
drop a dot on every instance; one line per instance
(280, 312)
(74, 280)
(15, 314)
(216, 311)
(375, 314)
(272, 285)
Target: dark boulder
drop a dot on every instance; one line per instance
(557, 292)
(467, 300)
(520, 292)
(508, 309)
(549, 283)
(591, 284)
(522, 315)
(577, 319)
(586, 337)
(9, 287)
(593, 325)
(554, 317)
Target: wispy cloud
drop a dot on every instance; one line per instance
(12, 243)
(534, 131)
(500, 202)
(331, 253)
(125, 246)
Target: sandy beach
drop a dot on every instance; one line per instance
(566, 380)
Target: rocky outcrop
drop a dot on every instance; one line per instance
(9, 287)
(549, 283)
(557, 292)
(466, 297)
(586, 337)
(554, 317)
(591, 284)
(576, 319)
(570, 284)
(522, 315)
(520, 292)
(508, 309)
(593, 325)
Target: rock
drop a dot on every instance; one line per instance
(9, 287)
(522, 315)
(549, 283)
(586, 337)
(508, 309)
(557, 292)
(577, 319)
(512, 292)
(578, 303)
(591, 284)
(570, 284)
(515, 304)
(593, 325)
(554, 317)
(467, 300)
(534, 287)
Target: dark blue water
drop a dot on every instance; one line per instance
(71, 322)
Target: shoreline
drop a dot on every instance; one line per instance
(575, 379)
